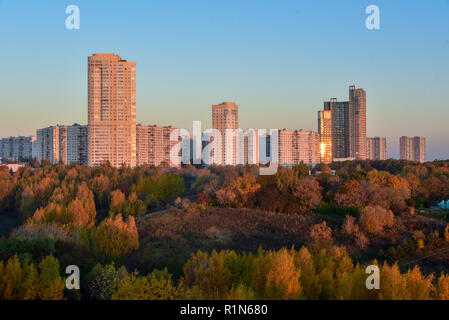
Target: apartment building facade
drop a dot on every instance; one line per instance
(412, 148)
(111, 110)
(62, 144)
(17, 148)
(225, 119)
(376, 148)
(298, 146)
(154, 146)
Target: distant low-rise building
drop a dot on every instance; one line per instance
(14, 167)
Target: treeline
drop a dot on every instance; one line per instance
(90, 207)
(392, 184)
(327, 273)
(90, 217)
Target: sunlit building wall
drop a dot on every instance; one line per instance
(357, 123)
(154, 146)
(111, 110)
(225, 116)
(298, 146)
(51, 143)
(325, 131)
(340, 127)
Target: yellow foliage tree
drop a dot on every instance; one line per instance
(393, 285)
(283, 278)
(116, 237)
(443, 287)
(419, 287)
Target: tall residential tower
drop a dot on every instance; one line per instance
(339, 111)
(357, 123)
(225, 118)
(112, 110)
(347, 127)
(413, 149)
(325, 131)
(376, 148)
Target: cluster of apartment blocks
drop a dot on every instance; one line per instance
(342, 129)
(17, 148)
(69, 144)
(113, 135)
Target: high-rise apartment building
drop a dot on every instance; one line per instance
(62, 144)
(250, 147)
(50, 144)
(17, 148)
(325, 131)
(376, 148)
(264, 148)
(413, 149)
(406, 148)
(340, 127)
(209, 152)
(225, 118)
(154, 146)
(419, 144)
(112, 110)
(348, 120)
(357, 123)
(245, 142)
(77, 143)
(298, 146)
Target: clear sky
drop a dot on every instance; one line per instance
(278, 59)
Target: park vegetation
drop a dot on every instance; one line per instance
(225, 232)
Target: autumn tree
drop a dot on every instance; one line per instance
(305, 190)
(283, 277)
(375, 219)
(443, 287)
(51, 285)
(309, 281)
(104, 281)
(349, 194)
(419, 287)
(132, 287)
(208, 274)
(117, 205)
(393, 284)
(116, 237)
(320, 236)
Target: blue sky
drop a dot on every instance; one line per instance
(279, 60)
